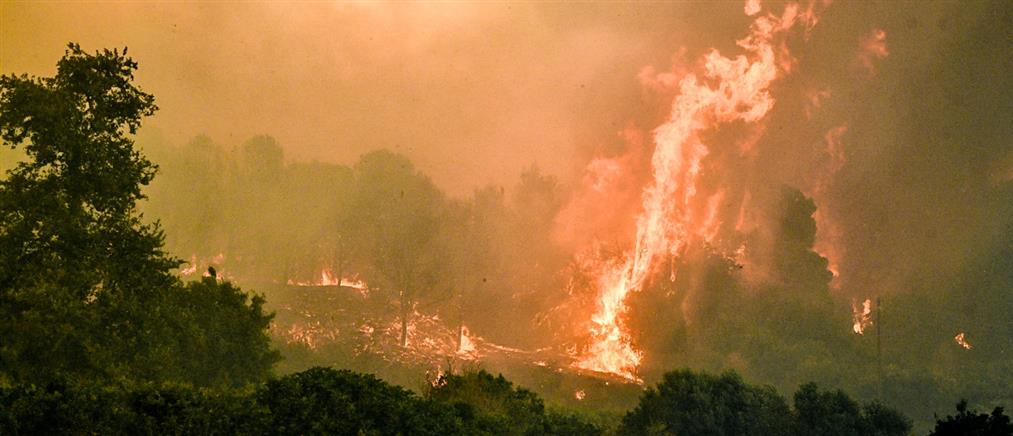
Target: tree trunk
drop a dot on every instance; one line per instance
(404, 319)
(339, 262)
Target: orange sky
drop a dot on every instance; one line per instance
(472, 92)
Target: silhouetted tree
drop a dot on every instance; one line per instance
(220, 329)
(835, 413)
(86, 291)
(74, 254)
(968, 422)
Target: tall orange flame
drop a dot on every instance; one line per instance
(728, 90)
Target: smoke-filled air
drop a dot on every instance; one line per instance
(701, 218)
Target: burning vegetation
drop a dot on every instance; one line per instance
(802, 195)
(730, 228)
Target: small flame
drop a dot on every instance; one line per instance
(466, 345)
(962, 341)
(579, 394)
(327, 278)
(191, 266)
(862, 316)
(437, 378)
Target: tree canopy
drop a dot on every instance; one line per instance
(86, 289)
(686, 402)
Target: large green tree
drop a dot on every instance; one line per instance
(703, 404)
(86, 290)
(73, 252)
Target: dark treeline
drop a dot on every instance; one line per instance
(328, 401)
(100, 335)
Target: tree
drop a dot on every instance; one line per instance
(703, 404)
(220, 331)
(968, 422)
(85, 286)
(494, 399)
(70, 240)
(328, 401)
(494, 406)
(397, 211)
(835, 413)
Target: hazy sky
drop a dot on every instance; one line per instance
(473, 92)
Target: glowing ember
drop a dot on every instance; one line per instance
(729, 90)
(579, 394)
(962, 341)
(862, 316)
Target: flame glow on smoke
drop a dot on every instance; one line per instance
(675, 210)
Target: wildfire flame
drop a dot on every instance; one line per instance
(962, 341)
(862, 316)
(327, 278)
(729, 89)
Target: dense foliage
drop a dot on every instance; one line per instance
(496, 407)
(702, 404)
(317, 401)
(968, 422)
(329, 401)
(85, 286)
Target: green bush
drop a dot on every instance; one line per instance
(329, 401)
(692, 403)
(491, 404)
(702, 404)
